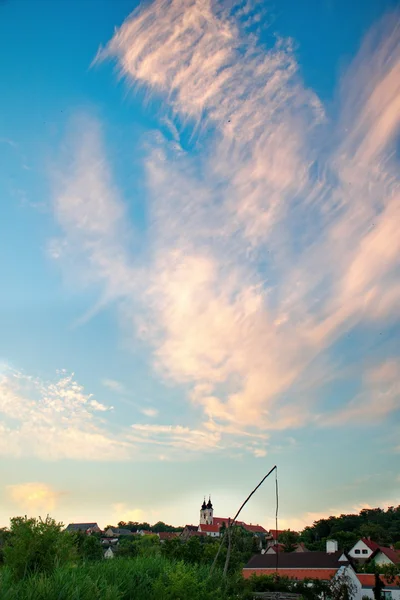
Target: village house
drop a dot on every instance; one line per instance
(87, 528)
(366, 550)
(299, 565)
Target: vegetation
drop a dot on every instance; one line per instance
(40, 561)
(289, 539)
(158, 527)
(139, 578)
(36, 546)
(382, 526)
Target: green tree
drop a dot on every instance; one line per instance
(289, 539)
(345, 539)
(37, 546)
(127, 547)
(91, 548)
(376, 532)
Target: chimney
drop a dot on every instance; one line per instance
(331, 546)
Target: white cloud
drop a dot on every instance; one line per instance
(113, 385)
(149, 412)
(380, 396)
(260, 257)
(54, 420)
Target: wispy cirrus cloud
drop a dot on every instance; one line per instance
(113, 385)
(380, 397)
(264, 250)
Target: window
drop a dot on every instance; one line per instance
(365, 551)
(357, 552)
(386, 595)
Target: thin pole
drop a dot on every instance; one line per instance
(231, 523)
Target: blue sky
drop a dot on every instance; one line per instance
(199, 253)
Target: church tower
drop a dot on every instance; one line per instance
(206, 512)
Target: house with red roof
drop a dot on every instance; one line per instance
(363, 550)
(365, 583)
(298, 565)
(366, 549)
(386, 556)
(210, 530)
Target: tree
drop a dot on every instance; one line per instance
(375, 532)
(289, 539)
(342, 587)
(37, 546)
(91, 548)
(345, 539)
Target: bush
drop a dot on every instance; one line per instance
(36, 546)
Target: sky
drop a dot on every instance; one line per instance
(199, 258)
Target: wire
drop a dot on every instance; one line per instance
(276, 518)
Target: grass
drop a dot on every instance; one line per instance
(140, 578)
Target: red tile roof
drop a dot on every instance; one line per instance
(300, 574)
(276, 547)
(223, 520)
(254, 528)
(275, 533)
(371, 545)
(167, 535)
(368, 580)
(209, 528)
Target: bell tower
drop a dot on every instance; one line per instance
(203, 513)
(206, 512)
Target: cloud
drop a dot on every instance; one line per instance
(265, 246)
(380, 396)
(149, 412)
(113, 385)
(123, 512)
(34, 497)
(54, 420)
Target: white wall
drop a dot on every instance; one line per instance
(382, 559)
(364, 551)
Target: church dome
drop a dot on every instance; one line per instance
(204, 505)
(209, 503)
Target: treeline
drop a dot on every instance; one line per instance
(382, 526)
(158, 527)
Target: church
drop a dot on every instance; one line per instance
(210, 525)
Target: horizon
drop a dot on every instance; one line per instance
(200, 258)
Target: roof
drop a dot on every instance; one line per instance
(224, 520)
(393, 555)
(209, 528)
(368, 580)
(275, 533)
(371, 545)
(120, 531)
(191, 527)
(167, 535)
(275, 548)
(300, 574)
(81, 526)
(254, 528)
(297, 560)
